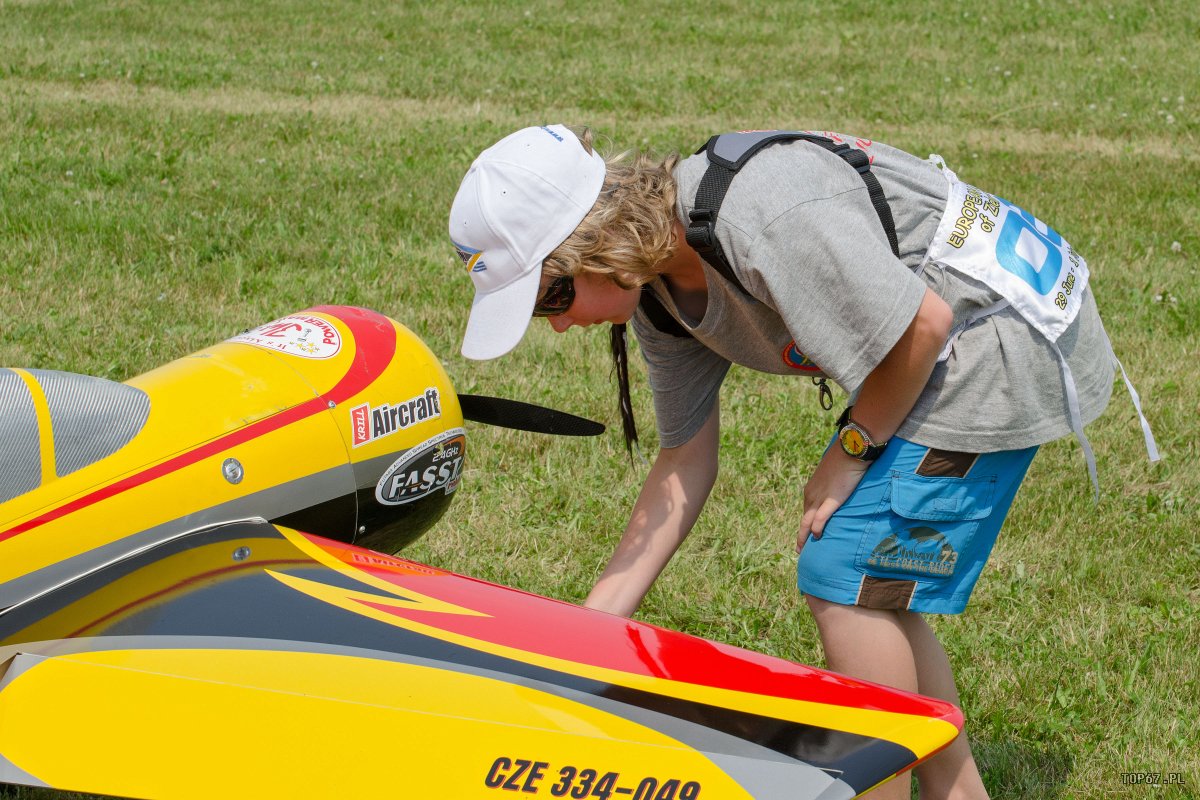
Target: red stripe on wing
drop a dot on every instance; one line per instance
(552, 628)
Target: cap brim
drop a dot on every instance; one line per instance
(499, 319)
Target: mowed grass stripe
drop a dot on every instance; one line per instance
(383, 111)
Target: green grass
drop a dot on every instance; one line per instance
(171, 173)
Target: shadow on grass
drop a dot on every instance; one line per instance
(1021, 770)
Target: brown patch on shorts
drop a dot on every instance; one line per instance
(946, 464)
(886, 593)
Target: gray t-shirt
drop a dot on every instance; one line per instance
(828, 297)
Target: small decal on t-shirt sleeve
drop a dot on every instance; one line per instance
(794, 358)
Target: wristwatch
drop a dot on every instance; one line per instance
(855, 440)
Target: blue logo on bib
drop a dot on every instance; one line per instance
(1021, 236)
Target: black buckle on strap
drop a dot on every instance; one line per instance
(857, 159)
(701, 234)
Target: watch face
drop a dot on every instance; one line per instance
(853, 442)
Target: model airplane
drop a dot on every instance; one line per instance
(191, 605)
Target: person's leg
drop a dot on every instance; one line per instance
(898, 649)
(872, 645)
(952, 773)
(912, 539)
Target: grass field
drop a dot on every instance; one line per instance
(172, 173)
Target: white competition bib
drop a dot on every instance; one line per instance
(1012, 252)
(1028, 264)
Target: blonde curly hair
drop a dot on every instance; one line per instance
(630, 230)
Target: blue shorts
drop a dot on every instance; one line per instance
(916, 532)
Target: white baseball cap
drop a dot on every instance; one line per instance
(519, 201)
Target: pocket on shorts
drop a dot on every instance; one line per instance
(928, 531)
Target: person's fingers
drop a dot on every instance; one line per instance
(822, 514)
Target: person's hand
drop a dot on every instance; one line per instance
(834, 480)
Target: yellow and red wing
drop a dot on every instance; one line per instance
(251, 660)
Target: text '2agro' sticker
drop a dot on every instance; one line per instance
(434, 465)
(298, 335)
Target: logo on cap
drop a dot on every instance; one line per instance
(470, 258)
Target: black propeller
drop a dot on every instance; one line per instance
(525, 416)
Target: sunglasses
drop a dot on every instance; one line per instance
(557, 298)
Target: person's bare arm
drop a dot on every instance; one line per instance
(666, 509)
(887, 396)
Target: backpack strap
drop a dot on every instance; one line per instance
(727, 154)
